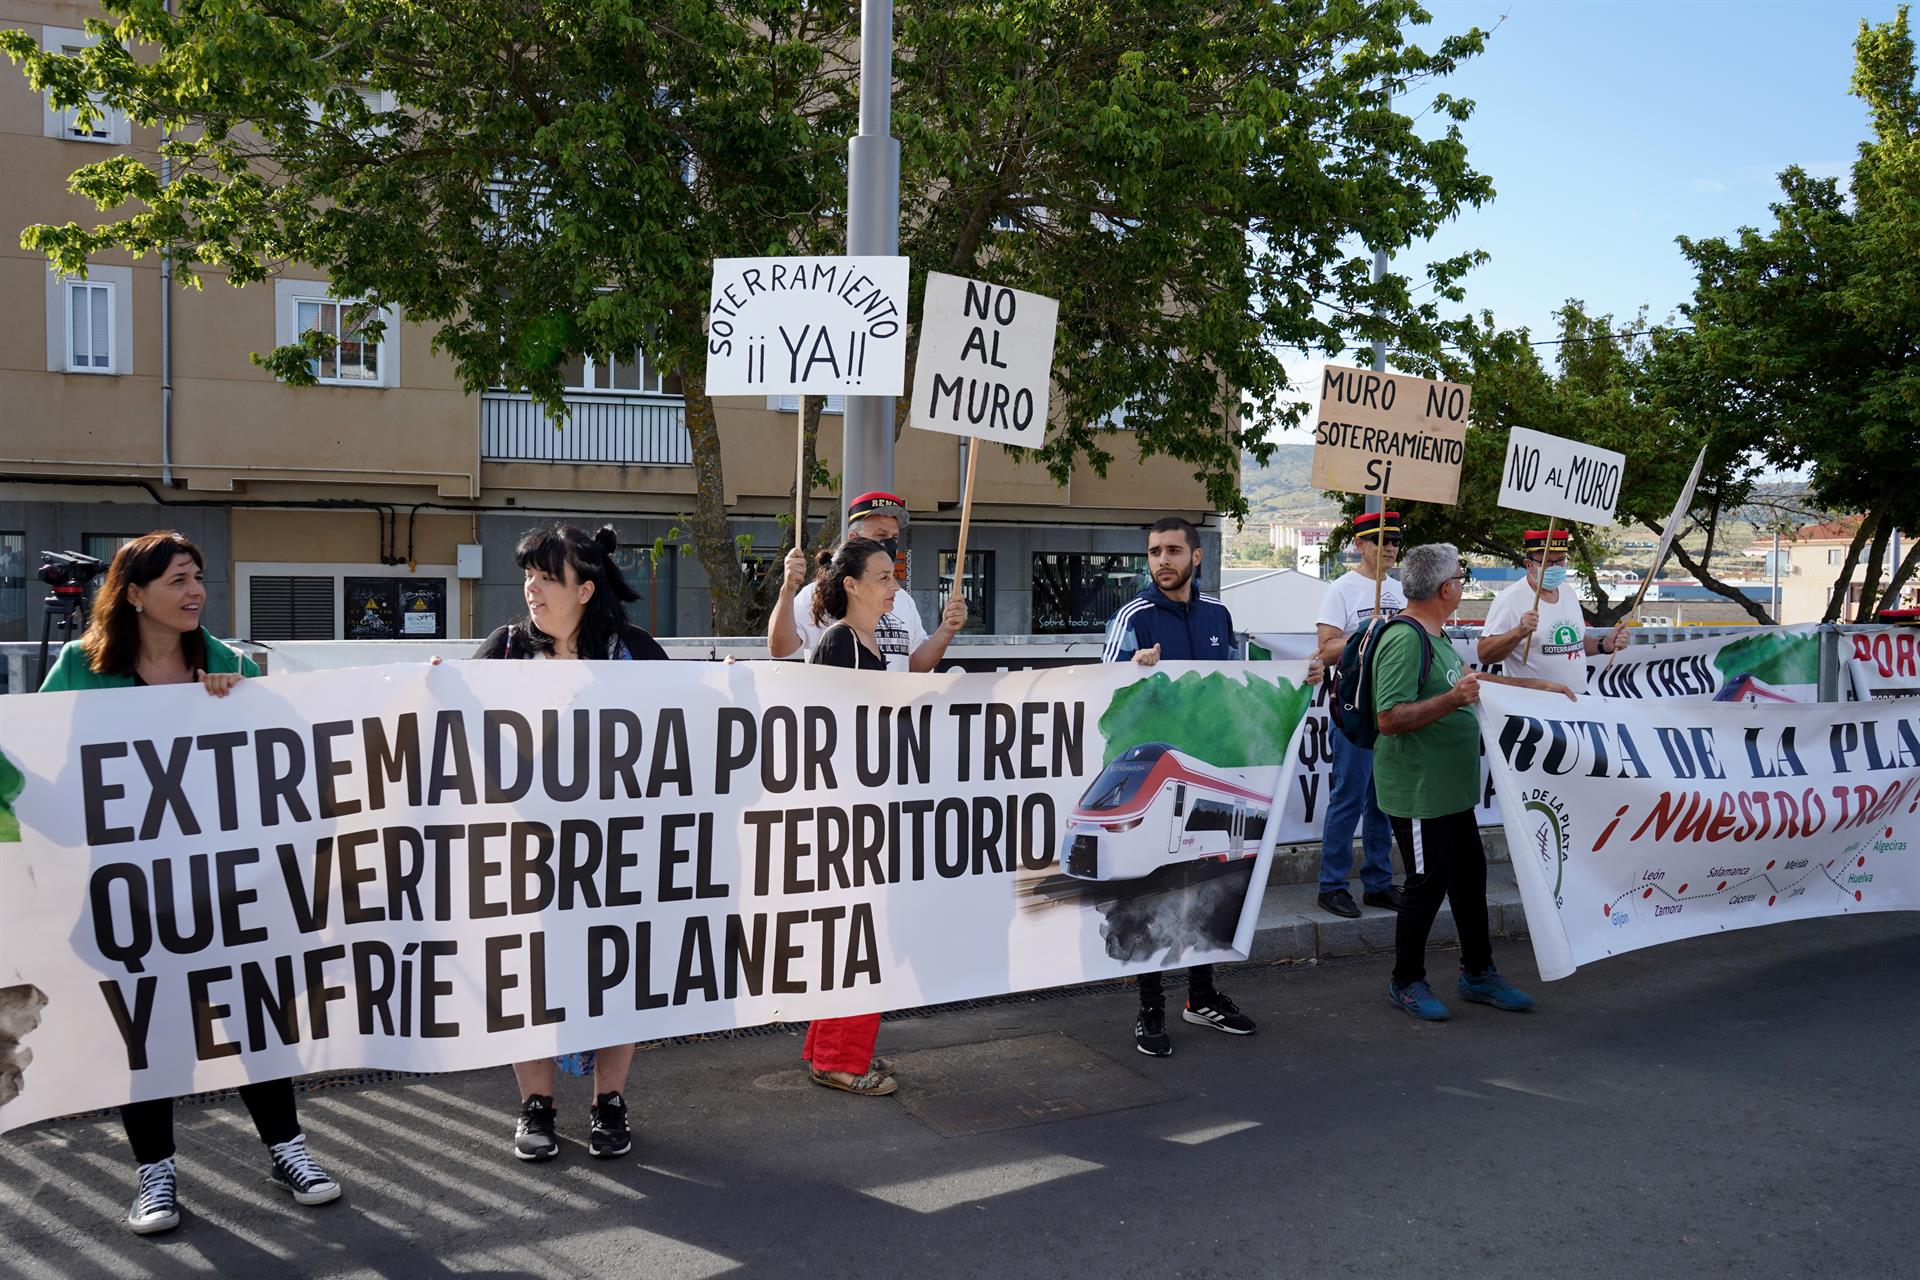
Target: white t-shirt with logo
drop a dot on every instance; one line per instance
(1559, 642)
(897, 634)
(1348, 603)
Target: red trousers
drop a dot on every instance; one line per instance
(842, 1044)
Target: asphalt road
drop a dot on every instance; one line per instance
(1739, 1105)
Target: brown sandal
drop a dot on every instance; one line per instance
(870, 1085)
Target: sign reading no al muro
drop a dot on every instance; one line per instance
(1390, 435)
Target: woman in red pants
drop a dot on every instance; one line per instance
(856, 586)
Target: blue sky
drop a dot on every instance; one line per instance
(1611, 126)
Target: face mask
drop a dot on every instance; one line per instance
(1551, 576)
(891, 546)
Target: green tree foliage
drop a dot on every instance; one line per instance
(1235, 723)
(1200, 187)
(1616, 386)
(1808, 330)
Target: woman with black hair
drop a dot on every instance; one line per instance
(574, 592)
(856, 585)
(146, 630)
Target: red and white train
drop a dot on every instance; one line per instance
(1154, 807)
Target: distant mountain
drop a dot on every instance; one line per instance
(1282, 492)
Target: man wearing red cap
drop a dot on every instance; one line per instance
(1344, 609)
(903, 639)
(1561, 644)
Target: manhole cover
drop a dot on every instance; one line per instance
(1008, 1084)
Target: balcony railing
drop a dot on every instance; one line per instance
(634, 430)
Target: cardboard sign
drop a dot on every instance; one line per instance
(1390, 434)
(807, 326)
(985, 362)
(1556, 477)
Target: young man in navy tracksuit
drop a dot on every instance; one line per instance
(1172, 620)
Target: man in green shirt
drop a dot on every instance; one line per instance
(1426, 775)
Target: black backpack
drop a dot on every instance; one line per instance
(1352, 703)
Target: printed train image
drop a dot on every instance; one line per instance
(1154, 807)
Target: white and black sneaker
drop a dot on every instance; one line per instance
(157, 1205)
(1211, 1009)
(299, 1173)
(611, 1136)
(533, 1137)
(1150, 1032)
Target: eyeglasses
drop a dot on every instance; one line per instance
(1463, 577)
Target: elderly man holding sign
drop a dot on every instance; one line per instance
(1540, 606)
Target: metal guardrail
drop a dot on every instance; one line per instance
(633, 430)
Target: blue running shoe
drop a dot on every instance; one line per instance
(1416, 998)
(1491, 988)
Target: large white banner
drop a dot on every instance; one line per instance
(1884, 663)
(807, 326)
(437, 868)
(1637, 823)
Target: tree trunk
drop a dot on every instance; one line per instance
(1838, 599)
(713, 540)
(1876, 560)
(1706, 579)
(1908, 563)
(1605, 612)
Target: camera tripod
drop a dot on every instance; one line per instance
(69, 604)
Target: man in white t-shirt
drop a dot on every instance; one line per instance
(1561, 644)
(1344, 609)
(903, 639)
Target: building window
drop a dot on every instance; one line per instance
(791, 404)
(396, 608)
(1836, 556)
(89, 327)
(13, 584)
(1077, 592)
(978, 590)
(290, 608)
(656, 582)
(354, 361)
(108, 125)
(633, 374)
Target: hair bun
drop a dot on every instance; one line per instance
(823, 558)
(609, 539)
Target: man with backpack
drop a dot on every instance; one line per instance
(1347, 606)
(1171, 619)
(1427, 778)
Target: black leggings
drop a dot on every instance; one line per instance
(1199, 982)
(270, 1103)
(1444, 862)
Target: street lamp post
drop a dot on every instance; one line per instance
(873, 227)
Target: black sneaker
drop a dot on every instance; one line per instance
(1150, 1032)
(1211, 1009)
(298, 1172)
(533, 1137)
(611, 1136)
(156, 1207)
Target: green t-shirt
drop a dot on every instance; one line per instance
(1434, 771)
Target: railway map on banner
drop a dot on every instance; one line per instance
(439, 868)
(1637, 823)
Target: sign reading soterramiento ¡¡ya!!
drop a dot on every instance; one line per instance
(1390, 435)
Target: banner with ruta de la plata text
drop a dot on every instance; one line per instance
(1636, 823)
(436, 868)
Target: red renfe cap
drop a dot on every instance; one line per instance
(1376, 525)
(877, 504)
(1537, 539)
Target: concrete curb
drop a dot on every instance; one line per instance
(1294, 926)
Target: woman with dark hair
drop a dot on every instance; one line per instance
(146, 630)
(856, 585)
(574, 591)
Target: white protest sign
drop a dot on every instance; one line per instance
(807, 326)
(1390, 435)
(1558, 477)
(435, 868)
(985, 362)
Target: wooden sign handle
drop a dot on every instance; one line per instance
(1539, 586)
(801, 484)
(966, 519)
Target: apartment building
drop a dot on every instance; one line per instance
(385, 502)
(1813, 562)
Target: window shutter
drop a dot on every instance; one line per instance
(291, 608)
(102, 316)
(791, 404)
